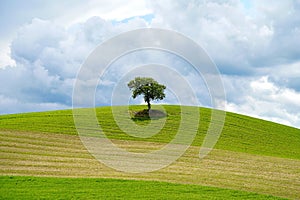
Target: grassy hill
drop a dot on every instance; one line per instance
(251, 155)
(240, 133)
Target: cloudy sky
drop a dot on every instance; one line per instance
(255, 45)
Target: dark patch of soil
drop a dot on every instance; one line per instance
(147, 115)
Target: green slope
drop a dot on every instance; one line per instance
(240, 133)
(252, 155)
(87, 188)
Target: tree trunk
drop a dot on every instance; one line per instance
(149, 105)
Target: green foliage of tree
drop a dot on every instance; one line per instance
(148, 87)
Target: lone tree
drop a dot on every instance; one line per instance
(148, 87)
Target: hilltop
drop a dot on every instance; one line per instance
(240, 133)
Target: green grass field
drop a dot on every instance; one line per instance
(252, 157)
(97, 188)
(240, 133)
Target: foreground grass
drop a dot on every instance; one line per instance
(240, 133)
(13, 187)
(63, 155)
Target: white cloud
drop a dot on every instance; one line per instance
(48, 56)
(287, 75)
(259, 97)
(5, 59)
(239, 41)
(33, 38)
(11, 105)
(64, 14)
(106, 9)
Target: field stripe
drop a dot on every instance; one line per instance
(46, 154)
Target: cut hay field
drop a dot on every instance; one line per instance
(252, 159)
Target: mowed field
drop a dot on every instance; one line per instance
(252, 159)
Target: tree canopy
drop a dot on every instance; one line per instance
(148, 87)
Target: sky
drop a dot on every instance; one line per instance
(254, 44)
